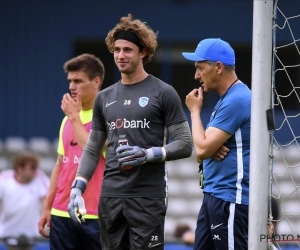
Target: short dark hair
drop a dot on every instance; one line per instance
(22, 159)
(87, 63)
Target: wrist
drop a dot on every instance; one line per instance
(79, 184)
(81, 178)
(46, 209)
(195, 112)
(48, 204)
(74, 117)
(156, 154)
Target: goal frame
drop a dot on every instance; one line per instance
(261, 86)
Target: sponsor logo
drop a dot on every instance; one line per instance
(124, 123)
(72, 144)
(143, 101)
(65, 159)
(151, 245)
(108, 104)
(213, 227)
(75, 160)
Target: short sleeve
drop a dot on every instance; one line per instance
(60, 147)
(172, 107)
(232, 113)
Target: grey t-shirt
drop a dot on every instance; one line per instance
(142, 112)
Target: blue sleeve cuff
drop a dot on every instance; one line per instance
(156, 154)
(77, 183)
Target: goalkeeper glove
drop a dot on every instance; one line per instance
(134, 155)
(76, 207)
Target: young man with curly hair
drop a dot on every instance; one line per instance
(143, 108)
(85, 76)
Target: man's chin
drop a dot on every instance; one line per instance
(125, 71)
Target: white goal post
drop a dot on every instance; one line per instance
(261, 87)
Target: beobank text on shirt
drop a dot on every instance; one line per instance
(124, 123)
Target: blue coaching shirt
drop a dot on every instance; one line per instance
(229, 179)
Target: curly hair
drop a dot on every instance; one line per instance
(145, 34)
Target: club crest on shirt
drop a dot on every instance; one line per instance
(143, 101)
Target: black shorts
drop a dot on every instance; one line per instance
(65, 235)
(221, 225)
(132, 223)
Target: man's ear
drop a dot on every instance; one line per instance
(97, 82)
(143, 53)
(219, 67)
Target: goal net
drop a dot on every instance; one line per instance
(274, 193)
(284, 209)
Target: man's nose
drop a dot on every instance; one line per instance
(197, 75)
(121, 54)
(72, 86)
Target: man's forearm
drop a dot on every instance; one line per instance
(81, 134)
(91, 154)
(53, 184)
(182, 145)
(88, 164)
(198, 134)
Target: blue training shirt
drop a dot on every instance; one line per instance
(229, 179)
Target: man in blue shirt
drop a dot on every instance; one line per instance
(223, 147)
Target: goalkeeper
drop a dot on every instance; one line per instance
(132, 205)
